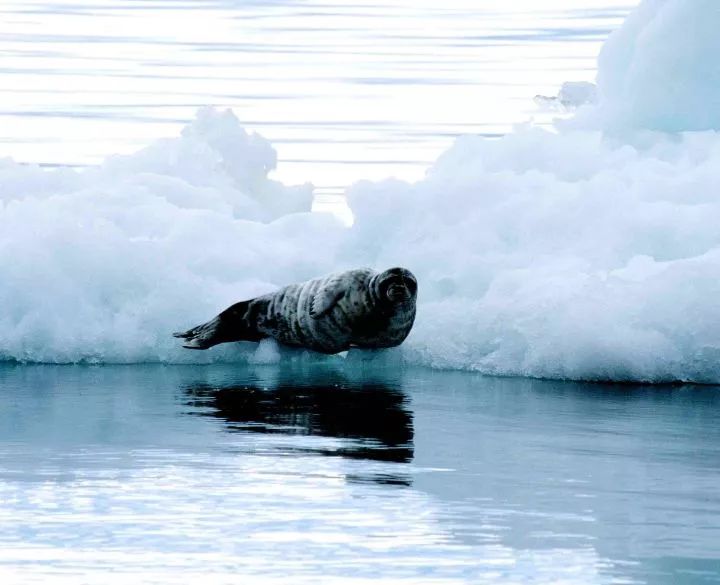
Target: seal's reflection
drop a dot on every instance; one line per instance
(372, 417)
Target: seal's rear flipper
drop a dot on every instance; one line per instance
(202, 336)
(230, 325)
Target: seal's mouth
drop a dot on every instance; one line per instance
(398, 293)
(397, 286)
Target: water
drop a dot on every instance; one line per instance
(160, 474)
(346, 89)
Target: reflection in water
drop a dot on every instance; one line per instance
(372, 419)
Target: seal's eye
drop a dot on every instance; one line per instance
(411, 285)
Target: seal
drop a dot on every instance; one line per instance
(358, 308)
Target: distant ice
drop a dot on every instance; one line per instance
(581, 253)
(572, 94)
(660, 70)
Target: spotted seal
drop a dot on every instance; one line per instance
(357, 308)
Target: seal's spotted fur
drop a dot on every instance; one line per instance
(357, 308)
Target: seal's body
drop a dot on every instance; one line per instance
(357, 308)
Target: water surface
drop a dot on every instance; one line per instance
(356, 474)
(345, 89)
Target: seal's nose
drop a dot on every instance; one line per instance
(410, 285)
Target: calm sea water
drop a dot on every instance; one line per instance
(356, 474)
(345, 89)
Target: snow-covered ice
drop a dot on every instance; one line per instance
(587, 253)
(102, 264)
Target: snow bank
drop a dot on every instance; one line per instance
(559, 255)
(566, 255)
(575, 254)
(102, 265)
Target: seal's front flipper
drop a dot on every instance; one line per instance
(327, 297)
(230, 325)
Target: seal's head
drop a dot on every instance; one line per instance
(396, 286)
